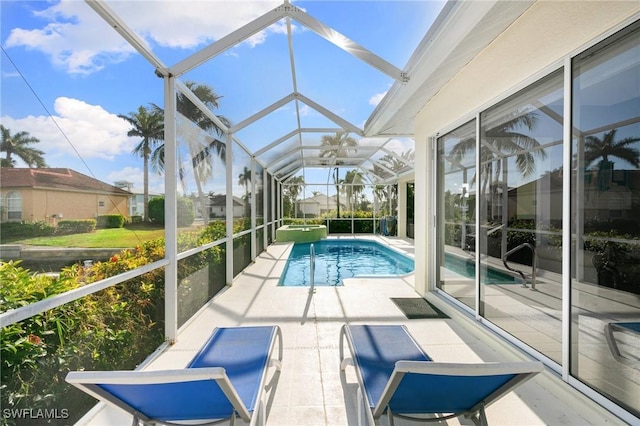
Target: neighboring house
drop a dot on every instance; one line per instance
(50, 194)
(218, 206)
(318, 205)
(136, 202)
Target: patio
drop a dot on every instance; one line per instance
(310, 390)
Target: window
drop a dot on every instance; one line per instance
(605, 281)
(14, 206)
(520, 181)
(456, 212)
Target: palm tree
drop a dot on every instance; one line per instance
(595, 148)
(354, 179)
(18, 145)
(200, 152)
(244, 179)
(337, 146)
(293, 189)
(148, 124)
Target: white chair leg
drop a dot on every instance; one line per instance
(263, 413)
(390, 416)
(360, 406)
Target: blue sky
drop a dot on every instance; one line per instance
(66, 74)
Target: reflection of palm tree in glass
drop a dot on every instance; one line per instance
(501, 142)
(199, 152)
(392, 163)
(606, 147)
(337, 146)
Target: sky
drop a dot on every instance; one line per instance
(66, 75)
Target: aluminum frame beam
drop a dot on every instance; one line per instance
(262, 113)
(110, 17)
(348, 45)
(228, 41)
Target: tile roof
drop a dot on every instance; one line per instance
(54, 178)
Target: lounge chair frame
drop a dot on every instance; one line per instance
(628, 328)
(521, 371)
(214, 378)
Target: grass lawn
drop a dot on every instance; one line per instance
(101, 238)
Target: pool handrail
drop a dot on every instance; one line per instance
(533, 264)
(312, 268)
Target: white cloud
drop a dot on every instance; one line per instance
(277, 28)
(305, 110)
(135, 175)
(14, 74)
(375, 99)
(77, 39)
(76, 128)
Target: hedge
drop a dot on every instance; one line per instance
(22, 230)
(185, 208)
(66, 227)
(111, 221)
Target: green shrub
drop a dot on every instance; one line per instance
(156, 210)
(363, 226)
(115, 328)
(66, 227)
(20, 230)
(111, 221)
(185, 209)
(136, 219)
(186, 212)
(339, 226)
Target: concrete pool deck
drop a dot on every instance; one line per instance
(310, 389)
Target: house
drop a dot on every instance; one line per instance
(218, 206)
(51, 194)
(318, 205)
(136, 202)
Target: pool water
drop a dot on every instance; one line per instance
(467, 268)
(336, 260)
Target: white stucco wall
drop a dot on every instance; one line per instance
(531, 47)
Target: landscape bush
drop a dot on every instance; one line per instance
(185, 209)
(12, 231)
(66, 227)
(111, 221)
(114, 328)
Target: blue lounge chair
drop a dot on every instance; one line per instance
(226, 378)
(396, 377)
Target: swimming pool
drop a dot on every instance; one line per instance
(340, 259)
(467, 268)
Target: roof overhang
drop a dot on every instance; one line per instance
(461, 31)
